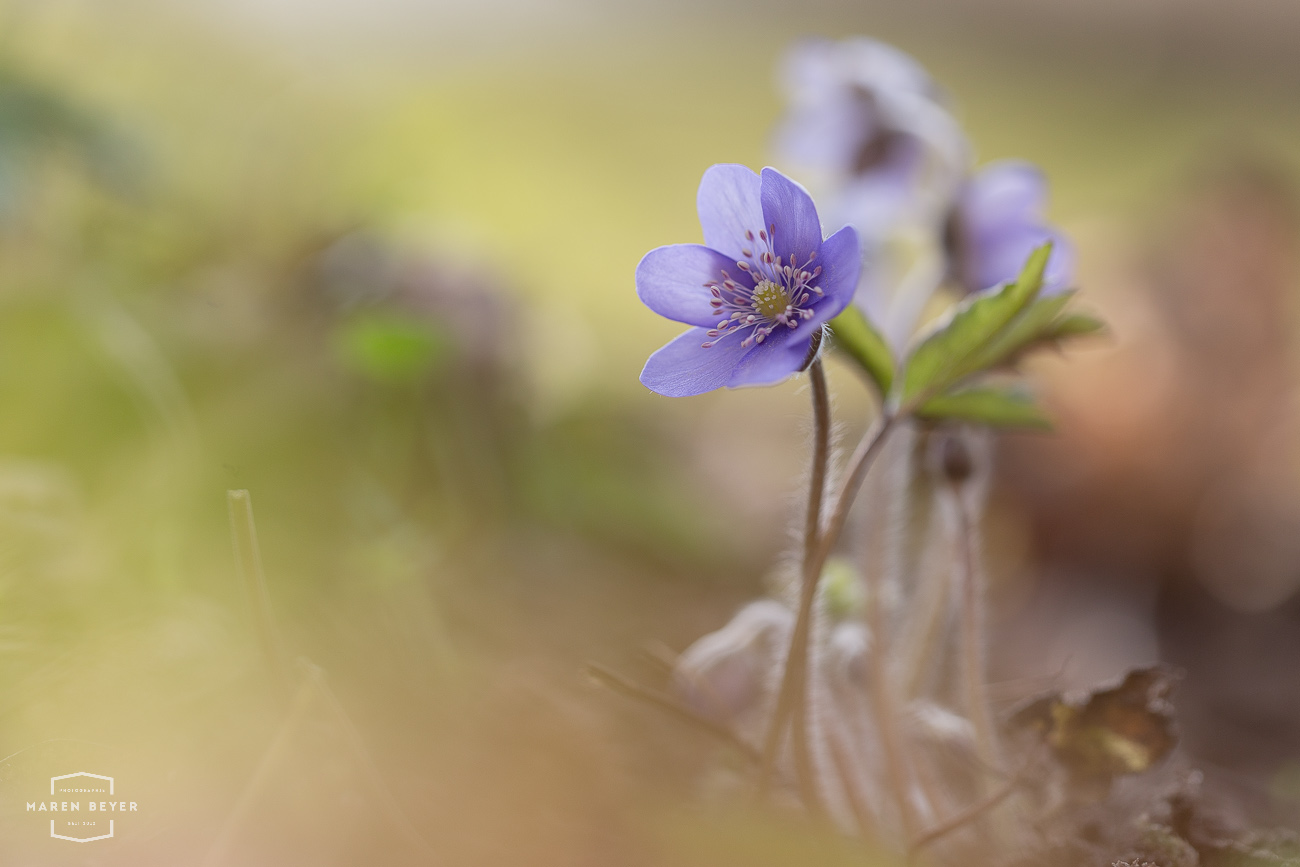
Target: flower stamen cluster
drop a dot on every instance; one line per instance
(780, 294)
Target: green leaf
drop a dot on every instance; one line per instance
(859, 339)
(995, 407)
(1041, 326)
(959, 346)
(1076, 325)
(1032, 326)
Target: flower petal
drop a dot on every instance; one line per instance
(777, 357)
(1001, 210)
(684, 367)
(841, 262)
(670, 281)
(1006, 191)
(788, 206)
(1060, 267)
(729, 205)
(1000, 258)
(829, 134)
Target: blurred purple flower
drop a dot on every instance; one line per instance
(758, 289)
(997, 222)
(870, 120)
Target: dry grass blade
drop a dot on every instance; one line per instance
(623, 686)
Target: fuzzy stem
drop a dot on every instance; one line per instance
(883, 703)
(863, 456)
(815, 554)
(816, 492)
(891, 741)
(792, 698)
(882, 695)
(843, 768)
(973, 651)
(923, 632)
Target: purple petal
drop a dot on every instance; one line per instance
(815, 67)
(729, 205)
(1000, 258)
(841, 262)
(1060, 267)
(771, 361)
(827, 135)
(683, 367)
(1007, 191)
(670, 281)
(1001, 211)
(788, 206)
(875, 200)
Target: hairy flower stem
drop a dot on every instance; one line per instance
(883, 703)
(792, 698)
(973, 650)
(792, 694)
(891, 741)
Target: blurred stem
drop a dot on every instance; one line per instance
(885, 705)
(920, 537)
(843, 768)
(922, 633)
(973, 649)
(248, 562)
(968, 815)
(863, 456)
(891, 742)
(792, 699)
(817, 548)
(816, 492)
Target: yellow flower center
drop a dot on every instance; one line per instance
(770, 299)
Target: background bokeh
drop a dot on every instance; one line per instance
(373, 263)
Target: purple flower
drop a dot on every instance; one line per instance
(997, 222)
(758, 289)
(869, 122)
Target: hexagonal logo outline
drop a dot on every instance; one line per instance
(54, 780)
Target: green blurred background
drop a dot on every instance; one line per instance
(373, 262)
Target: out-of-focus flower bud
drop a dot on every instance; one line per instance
(727, 674)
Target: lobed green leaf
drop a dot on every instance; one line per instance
(964, 343)
(1034, 325)
(987, 405)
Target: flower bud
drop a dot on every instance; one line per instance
(727, 673)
